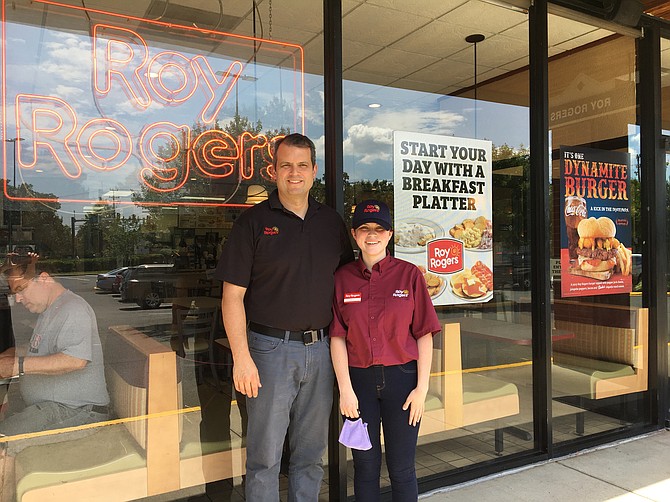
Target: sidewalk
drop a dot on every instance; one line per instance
(633, 470)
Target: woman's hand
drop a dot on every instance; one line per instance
(349, 403)
(415, 402)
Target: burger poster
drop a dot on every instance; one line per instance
(595, 222)
(442, 199)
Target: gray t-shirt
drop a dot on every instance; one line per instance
(69, 326)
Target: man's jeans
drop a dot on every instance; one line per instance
(45, 416)
(296, 395)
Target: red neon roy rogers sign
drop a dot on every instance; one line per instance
(124, 112)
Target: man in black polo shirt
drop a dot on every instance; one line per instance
(277, 271)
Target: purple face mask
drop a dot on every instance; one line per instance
(355, 435)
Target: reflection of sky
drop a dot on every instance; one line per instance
(634, 146)
(368, 132)
(59, 64)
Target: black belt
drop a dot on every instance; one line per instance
(308, 336)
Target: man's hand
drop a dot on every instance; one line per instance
(9, 366)
(246, 378)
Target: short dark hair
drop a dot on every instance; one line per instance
(295, 139)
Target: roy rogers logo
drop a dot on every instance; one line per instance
(371, 208)
(158, 114)
(445, 256)
(271, 231)
(401, 293)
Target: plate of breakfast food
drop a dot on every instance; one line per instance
(435, 283)
(412, 235)
(476, 234)
(473, 284)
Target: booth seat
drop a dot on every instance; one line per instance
(457, 399)
(152, 446)
(125, 458)
(607, 357)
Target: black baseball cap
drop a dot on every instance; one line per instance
(372, 211)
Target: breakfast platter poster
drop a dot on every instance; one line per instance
(442, 214)
(595, 222)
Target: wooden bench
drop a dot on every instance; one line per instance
(607, 356)
(127, 458)
(457, 399)
(153, 446)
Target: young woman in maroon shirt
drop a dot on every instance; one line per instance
(381, 346)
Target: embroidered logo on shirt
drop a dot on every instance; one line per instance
(35, 341)
(401, 293)
(352, 297)
(271, 231)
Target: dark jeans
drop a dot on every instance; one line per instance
(381, 392)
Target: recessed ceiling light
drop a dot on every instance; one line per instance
(374, 105)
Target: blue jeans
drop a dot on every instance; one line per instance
(45, 416)
(381, 392)
(296, 396)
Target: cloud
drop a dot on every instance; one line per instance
(369, 143)
(371, 139)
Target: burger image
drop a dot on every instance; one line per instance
(598, 251)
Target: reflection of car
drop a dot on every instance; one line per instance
(636, 268)
(105, 282)
(511, 271)
(118, 280)
(151, 284)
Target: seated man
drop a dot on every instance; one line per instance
(61, 373)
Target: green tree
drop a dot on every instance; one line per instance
(49, 235)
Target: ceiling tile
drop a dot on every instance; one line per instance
(395, 63)
(482, 17)
(428, 8)
(354, 52)
(445, 72)
(451, 37)
(389, 25)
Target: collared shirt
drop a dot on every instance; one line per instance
(286, 263)
(382, 312)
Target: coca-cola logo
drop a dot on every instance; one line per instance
(575, 211)
(575, 207)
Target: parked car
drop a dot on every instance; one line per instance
(636, 268)
(152, 284)
(118, 280)
(105, 282)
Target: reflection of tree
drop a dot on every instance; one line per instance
(49, 235)
(201, 184)
(105, 232)
(635, 207)
(511, 186)
(121, 236)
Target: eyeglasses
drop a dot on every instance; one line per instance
(19, 289)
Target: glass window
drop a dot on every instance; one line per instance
(436, 125)
(599, 328)
(665, 111)
(135, 135)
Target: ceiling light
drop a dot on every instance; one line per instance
(374, 105)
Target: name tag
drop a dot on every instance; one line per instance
(352, 297)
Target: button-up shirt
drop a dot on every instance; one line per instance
(382, 312)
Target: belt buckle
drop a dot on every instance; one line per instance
(310, 336)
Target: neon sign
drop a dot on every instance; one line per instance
(167, 89)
